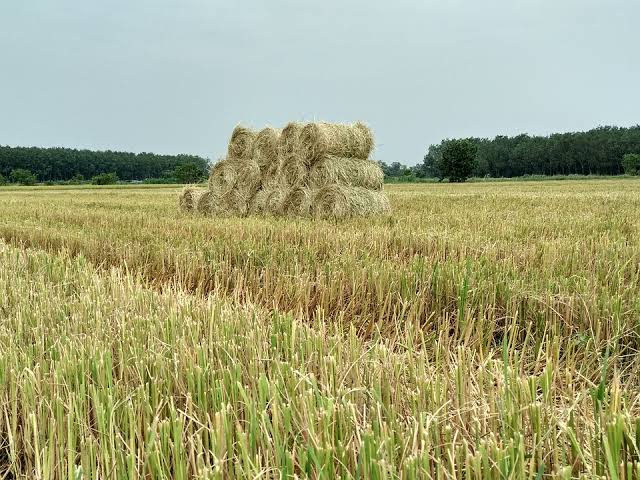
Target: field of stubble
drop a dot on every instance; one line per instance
(486, 330)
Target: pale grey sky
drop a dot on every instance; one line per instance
(173, 76)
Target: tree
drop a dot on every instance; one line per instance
(3, 181)
(189, 172)
(22, 176)
(59, 164)
(631, 163)
(598, 151)
(458, 160)
(77, 179)
(105, 179)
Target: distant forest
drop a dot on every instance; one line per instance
(596, 152)
(59, 164)
(599, 151)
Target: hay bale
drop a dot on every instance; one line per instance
(350, 141)
(275, 201)
(233, 173)
(339, 201)
(248, 177)
(236, 203)
(266, 148)
(290, 167)
(273, 172)
(345, 171)
(259, 202)
(223, 176)
(289, 141)
(294, 172)
(189, 198)
(233, 182)
(270, 199)
(298, 201)
(210, 204)
(241, 144)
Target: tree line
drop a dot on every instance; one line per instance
(600, 151)
(67, 164)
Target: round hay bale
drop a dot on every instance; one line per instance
(241, 144)
(223, 176)
(320, 139)
(298, 202)
(235, 173)
(273, 172)
(270, 200)
(294, 172)
(339, 201)
(189, 198)
(289, 141)
(236, 203)
(248, 177)
(352, 172)
(266, 148)
(210, 204)
(258, 203)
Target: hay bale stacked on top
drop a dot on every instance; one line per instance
(318, 169)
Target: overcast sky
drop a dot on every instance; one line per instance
(175, 76)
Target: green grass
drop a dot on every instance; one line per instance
(483, 331)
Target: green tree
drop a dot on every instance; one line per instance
(458, 160)
(189, 172)
(22, 176)
(598, 151)
(433, 161)
(59, 164)
(77, 179)
(105, 179)
(631, 163)
(3, 181)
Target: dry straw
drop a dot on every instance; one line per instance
(248, 177)
(241, 144)
(289, 142)
(339, 201)
(353, 172)
(189, 198)
(321, 139)
(223, 176)
(298, 202)
(258, 203)
(236, 203)
(266, 148)
(235, 173)
(294, 172)
(318, 169)
(270, 200)
(209, 203)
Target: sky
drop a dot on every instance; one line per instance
(175, 76)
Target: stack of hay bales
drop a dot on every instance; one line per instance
(320, 170)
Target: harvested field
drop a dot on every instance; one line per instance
(484, 330)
